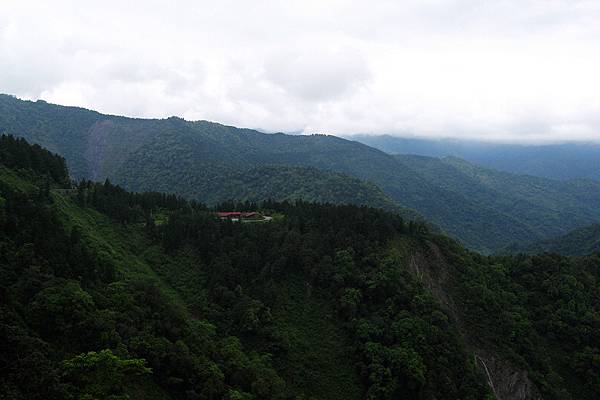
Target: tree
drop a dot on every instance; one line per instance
(100, 376)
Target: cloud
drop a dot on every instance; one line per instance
(508, 70)
(316, 74)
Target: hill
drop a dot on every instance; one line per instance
(300, 183)
(198, 159)
(577, 160)
(524, 207)
(580, 242)
(194, 159)
(100, 300)
(109, 293)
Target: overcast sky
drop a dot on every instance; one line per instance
(500, 70)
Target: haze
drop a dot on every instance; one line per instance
(511, 71)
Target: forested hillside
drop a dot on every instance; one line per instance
(119, 303)
(109, 293)
(210, 162)
(579, 242)
(524, 207)
(300, 183)
(574, 160)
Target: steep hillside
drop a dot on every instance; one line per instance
(199, 160)
(99, 305)
(518, 318)
(109, 293)
(555, 161)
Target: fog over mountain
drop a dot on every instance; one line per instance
(568, 160)
(516, 71)
(210, 162)
(300, 200)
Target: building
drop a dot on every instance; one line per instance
(237, 215)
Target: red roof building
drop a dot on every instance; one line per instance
(238, 214)
(229, 214)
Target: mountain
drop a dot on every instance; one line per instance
(280, 183)
(555, 161)
(580, 242)
(201, 160)
(522, 206)
(108, 294)
(172, 155)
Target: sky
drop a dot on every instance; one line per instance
(511, 71)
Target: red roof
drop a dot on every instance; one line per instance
(236, 214)
(223, 214)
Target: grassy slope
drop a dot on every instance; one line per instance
(117, 244)
(317, 362)
(121, 246)
(15, 181)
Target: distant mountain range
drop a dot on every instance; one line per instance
(555, 161)
(486, 209)
(579, 242)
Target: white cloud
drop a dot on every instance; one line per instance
(317, 74)
(506, 70)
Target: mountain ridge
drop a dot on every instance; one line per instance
(192, 158)
(579, 242)
(562, 161)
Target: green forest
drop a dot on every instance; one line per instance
(486, 210)
(109, 294)
(578, 242)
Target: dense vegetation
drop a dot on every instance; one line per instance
(78, 323)
(574, 160)
(527, 208)
(204, 161)
(580, 242)
(301, 183)
(109, 294)
(17, 154)
(542, 312)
